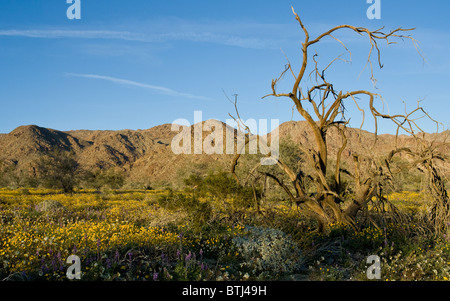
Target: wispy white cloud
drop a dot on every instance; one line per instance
(236, 33)
(127, 82)
(192, 36)
(83, 34)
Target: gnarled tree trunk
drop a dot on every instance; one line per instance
(327, 104)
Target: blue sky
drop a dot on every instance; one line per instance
(137, 64)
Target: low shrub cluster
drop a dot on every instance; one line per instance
(268, 252)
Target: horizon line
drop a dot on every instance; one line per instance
(193, 124)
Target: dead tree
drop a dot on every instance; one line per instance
(321, 106)
(425, 158)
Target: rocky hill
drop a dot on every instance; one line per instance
(146, 155)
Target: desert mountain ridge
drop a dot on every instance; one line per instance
(145, 156)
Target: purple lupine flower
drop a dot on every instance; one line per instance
(108, 263)
(43, 265)
(188, 256)
(116, 256)
(61, 264)
(178, 253)
(44, 268)
(54, 264)
(164, 258)
(155, 276)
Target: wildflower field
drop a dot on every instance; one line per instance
(158, 235)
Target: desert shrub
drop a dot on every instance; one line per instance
(12, 177)
(268, 251)
(147, 186)
(198, 212)
(221, 186)
(24, 191)
(59, 169)
(405, 176)
(104, 178)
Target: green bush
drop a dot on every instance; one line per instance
(221, 186)
(199, 213)
(59, 169)
(104, 178)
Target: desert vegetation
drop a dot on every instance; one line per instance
(140, 235)
(324, 206)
